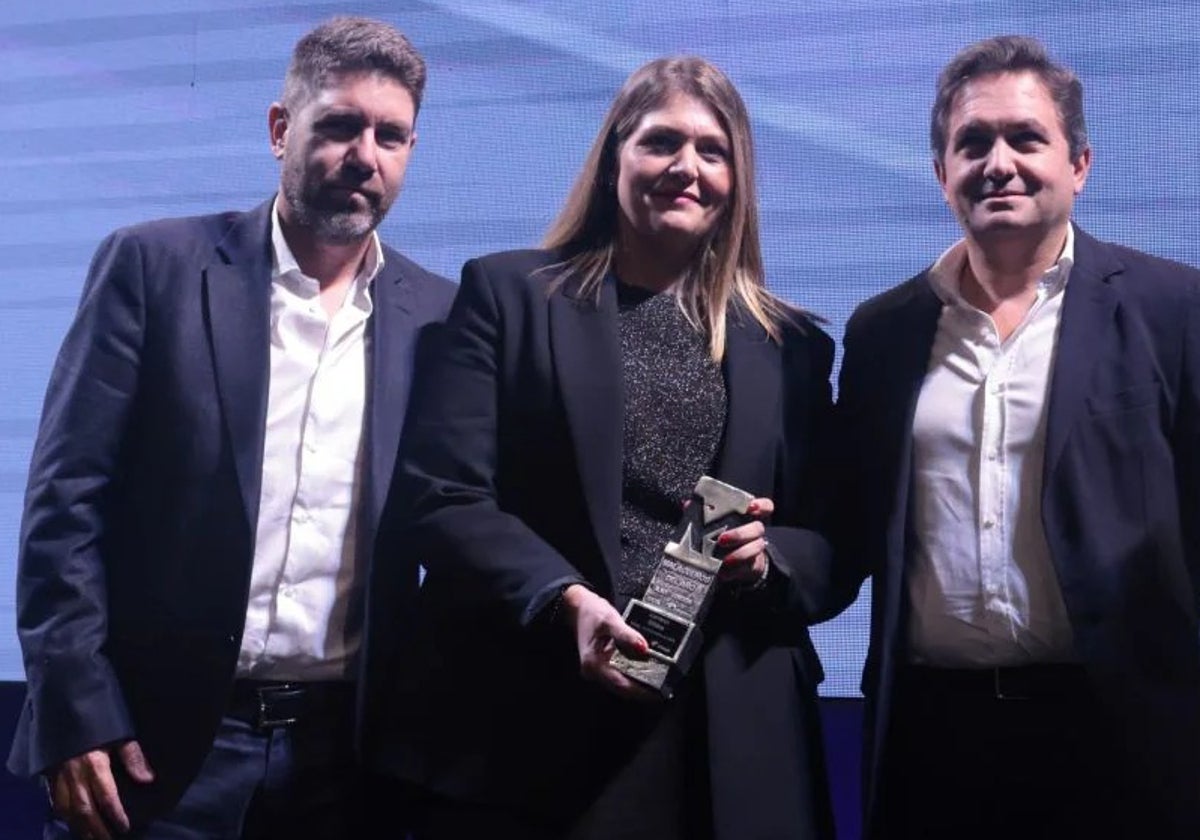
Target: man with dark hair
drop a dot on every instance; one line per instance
(215, 448)
(1020, 474)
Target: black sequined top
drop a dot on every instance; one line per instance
(674, 420)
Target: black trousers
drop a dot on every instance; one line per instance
(971, 757)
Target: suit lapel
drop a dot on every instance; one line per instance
(237, 292)
(898, 353)
(752, 384)
(587, 360)
(915, 324)
(392, 334)
(1087, 315)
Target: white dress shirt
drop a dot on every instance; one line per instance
(981, 584)
(303, 618)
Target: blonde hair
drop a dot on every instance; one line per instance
(728, 268)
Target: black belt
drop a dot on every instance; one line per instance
(267, 704)
(1019, 682)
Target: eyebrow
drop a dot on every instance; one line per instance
(982, 126)
(666, 128)
(339, 114)
(356, 115)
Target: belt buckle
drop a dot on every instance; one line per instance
(1002, 693)
(266, 717)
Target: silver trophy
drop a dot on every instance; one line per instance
(681, 589)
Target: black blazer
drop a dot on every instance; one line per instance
(138, 533)
(1120, 501)
(512, 472)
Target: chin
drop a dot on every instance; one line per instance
(1003, 220)
(345, 228)
(683, 227)
(675, 235)
(1002, 231)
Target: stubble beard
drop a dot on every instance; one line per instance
(334, 225)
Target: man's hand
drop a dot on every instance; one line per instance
(84, 793)
(599, 633)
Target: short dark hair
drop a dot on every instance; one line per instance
(352, 45)
(1010, 54)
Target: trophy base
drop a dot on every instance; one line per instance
(652, 673)
(673, 643)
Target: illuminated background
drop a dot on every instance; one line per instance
(115, 112)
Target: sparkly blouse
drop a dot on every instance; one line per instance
(674, 418)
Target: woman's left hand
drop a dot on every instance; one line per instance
(745, 547)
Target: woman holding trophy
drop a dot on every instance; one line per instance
(583, 393)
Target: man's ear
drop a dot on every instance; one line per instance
(939, 169)
(277, 126)
(1081, 166)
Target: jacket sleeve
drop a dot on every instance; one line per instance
(849, 470)
(796, 592)
(74, 701)
(1186, 442)
(449, 458)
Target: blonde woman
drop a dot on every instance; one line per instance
(583, 391)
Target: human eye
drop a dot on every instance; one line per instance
(339, 127)
(1027, 139)
(391, 136)
(973, 144)
(660, 142)
(714, 152)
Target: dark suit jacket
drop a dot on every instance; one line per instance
(1120, 500)
(512, 471)
(138, 533)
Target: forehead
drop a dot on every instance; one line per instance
(376, 93)
(684, 112)
(1002, 99)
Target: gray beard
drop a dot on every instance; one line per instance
(340, 227)
(337, 227)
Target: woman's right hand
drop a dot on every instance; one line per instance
(599, 633)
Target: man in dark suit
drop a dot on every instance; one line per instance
(1020, 474)
(216, 444)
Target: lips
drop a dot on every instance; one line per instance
(676, 196)
(1004, 199)
(347, 190)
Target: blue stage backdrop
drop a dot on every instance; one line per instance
(124, 110)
